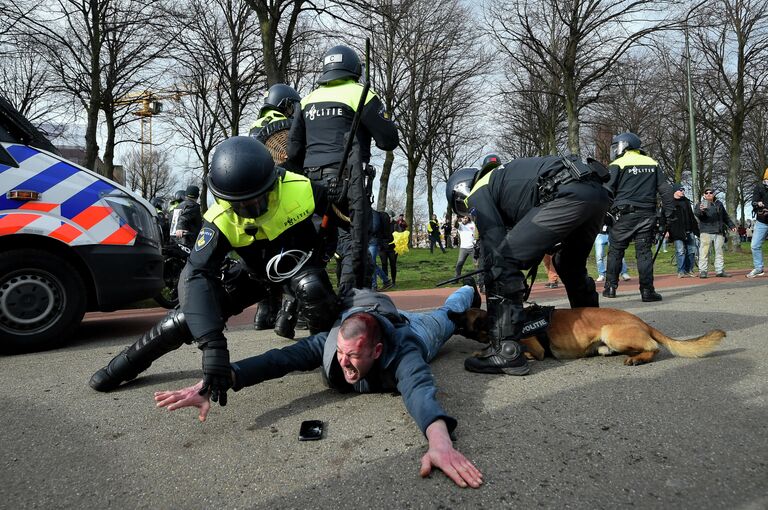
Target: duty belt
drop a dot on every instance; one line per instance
(572, 171)
(627, 208)
(321, 173)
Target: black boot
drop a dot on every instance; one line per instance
(649, 295)
(504, 355)
(507, 359)
(285, 323)
(165, 336)
(609, 291)
(263, 319)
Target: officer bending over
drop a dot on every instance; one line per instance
(264, 214)
(374, 347)
(523, 210)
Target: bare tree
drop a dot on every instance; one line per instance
(579, 42)
(732, 37)
(149, 173)
(26, 81)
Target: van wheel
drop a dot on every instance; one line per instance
(42, 300)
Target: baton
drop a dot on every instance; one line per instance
(457, 278)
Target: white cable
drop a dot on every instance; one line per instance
(298, 256)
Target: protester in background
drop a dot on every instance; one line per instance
(601, 252)
(379, 232)
(760, 227)
(714, 224)
(446, 227)
(466, 229)
(684, 232)
(433, 229)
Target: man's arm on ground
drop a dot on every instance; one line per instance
(443, 455)
(306, 354)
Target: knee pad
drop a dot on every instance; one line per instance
(317, 301)
(165, 336)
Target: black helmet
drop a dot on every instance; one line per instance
(179, 195)
(280, 97)
(458, 187)
(243, 173)
(156, 202)
(490, 162)
(192, 192)
(622, 142)
(340, 62)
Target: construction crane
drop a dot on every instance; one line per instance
(150, 104)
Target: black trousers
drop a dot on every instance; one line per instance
(565, 226)
(389, 263)
(634, 226)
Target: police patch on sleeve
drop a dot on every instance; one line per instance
(203, 238)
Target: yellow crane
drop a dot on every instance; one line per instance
(150, 104)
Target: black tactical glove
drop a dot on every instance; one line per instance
(217, 372)
(337, 190)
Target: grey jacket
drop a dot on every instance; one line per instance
(713, 219)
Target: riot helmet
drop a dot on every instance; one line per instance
(280, 97)
(243, 173)
(490, 162)
(157, 203)
(458, 188)
(179, 195)
(340, 62)
(192, 192)
(622, 142)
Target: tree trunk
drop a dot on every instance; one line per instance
(386, 170)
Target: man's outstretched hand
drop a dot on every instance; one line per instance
(444, 456)
(185, 397)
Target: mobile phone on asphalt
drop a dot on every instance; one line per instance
(311, 430)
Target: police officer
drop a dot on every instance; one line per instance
(264, 214)
(523, 210)
(189, 219)
(178, 198)
(271, 128)
(162, 217)
(317, 137)
(635, 182)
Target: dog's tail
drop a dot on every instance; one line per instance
(693, 348)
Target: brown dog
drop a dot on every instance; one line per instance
(582, 332)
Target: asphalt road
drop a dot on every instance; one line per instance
(677, 433)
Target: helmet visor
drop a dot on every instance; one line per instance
(460, 194)
(253, 207)
(618, 148)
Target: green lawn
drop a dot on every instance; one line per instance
(418, 269)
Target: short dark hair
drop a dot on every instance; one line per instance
(361, 323)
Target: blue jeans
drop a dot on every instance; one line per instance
(686, 253)
(601, 243)
(759, 230)
(435, 328)
(373, 249)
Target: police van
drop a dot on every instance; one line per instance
(71, 241)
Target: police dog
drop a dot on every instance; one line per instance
(581, 332)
